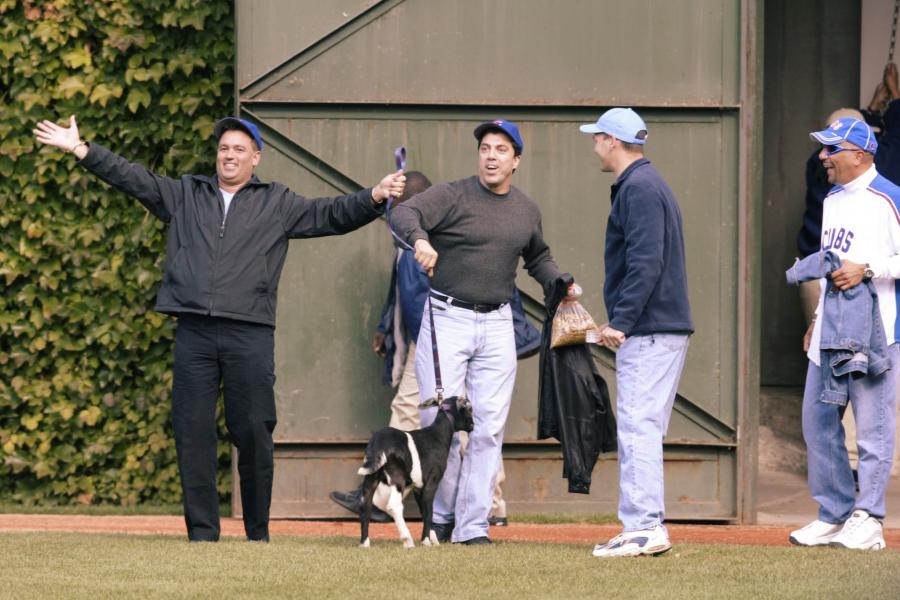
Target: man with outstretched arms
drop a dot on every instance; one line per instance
(226, 245)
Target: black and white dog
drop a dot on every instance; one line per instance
(397, 461)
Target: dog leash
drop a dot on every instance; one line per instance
(400, 161)
(438, 384)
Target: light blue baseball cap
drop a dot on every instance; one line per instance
(622, 123)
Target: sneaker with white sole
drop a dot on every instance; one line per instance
(817, 533)
(862, 531)
(645, 542)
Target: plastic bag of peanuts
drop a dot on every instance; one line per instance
(572, 322)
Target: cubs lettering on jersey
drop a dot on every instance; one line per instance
(836, 239)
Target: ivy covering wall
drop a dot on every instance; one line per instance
(85, 361)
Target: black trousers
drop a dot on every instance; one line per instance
(211, 352)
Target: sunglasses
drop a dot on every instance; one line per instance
(831, 150)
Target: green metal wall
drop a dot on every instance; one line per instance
(335, 88)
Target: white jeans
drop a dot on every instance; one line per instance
(477, 354)
(648, 368)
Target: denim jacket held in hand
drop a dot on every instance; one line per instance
(852, 343)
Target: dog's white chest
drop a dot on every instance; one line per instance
(415, 473)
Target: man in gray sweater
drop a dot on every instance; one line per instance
(478, 227)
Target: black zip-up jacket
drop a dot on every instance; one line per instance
(228, 267)
(573, 400)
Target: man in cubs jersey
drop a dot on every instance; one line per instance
(861, 224)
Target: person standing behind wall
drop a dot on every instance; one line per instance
(395, 342)
(227, 240)
(649, 325)
(401, 317)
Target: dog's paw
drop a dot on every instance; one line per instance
(408, 543)
(365, 544)
(426, 542)
(432, 537)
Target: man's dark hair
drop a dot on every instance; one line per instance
(516, 149)
(416, 183)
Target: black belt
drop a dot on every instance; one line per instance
(479, 308)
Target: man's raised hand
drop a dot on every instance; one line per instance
(65, 138)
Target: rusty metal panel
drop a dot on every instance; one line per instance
(521, 52)
(534, 482)
(273, 31)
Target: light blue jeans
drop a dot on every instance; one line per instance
(477, 352)
(874, 403)
(648, 368)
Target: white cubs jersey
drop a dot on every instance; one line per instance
(861, 223)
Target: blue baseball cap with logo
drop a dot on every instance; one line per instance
(622, 123)
(850, 130)
(507, 127)
(235, 123)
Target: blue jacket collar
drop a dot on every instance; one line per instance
(627, 173)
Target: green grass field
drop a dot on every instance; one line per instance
(64, 565)
(225, 511)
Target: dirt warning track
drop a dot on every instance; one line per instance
(519, 532)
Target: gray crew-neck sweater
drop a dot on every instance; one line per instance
(479, 237)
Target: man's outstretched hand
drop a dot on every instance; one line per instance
(392, 185)
(65, 138)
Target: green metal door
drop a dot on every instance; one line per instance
(335, 87)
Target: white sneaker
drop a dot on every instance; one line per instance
(862, 531)
(817, 533)
(645, 542)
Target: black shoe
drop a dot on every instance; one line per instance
(478, 541)
(352, 501)
(498, 521)
(443, 531)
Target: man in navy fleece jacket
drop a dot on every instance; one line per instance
(649, 324)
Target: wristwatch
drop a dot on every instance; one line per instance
(868, 273)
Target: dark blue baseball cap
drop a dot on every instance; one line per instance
(235, 123)
(500, 126)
